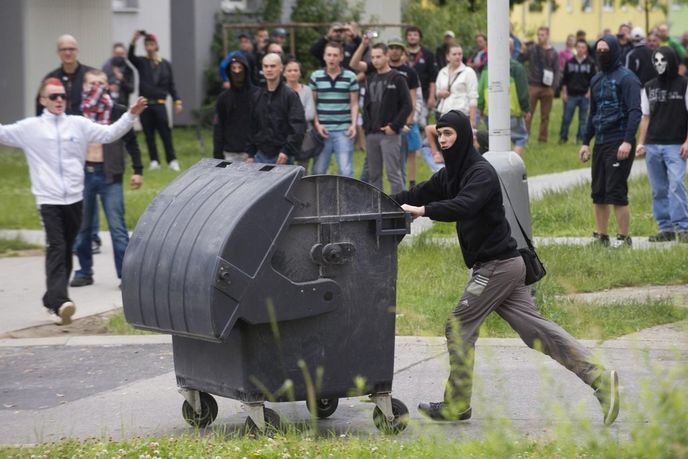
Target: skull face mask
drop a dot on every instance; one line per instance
(660, 63)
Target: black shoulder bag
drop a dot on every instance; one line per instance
(535, 270)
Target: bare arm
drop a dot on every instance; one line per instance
(356, 62)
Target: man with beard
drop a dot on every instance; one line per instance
(422, 61)
(664, 141)
(231, 125)
(613, 121)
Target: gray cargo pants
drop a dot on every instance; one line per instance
(498, 286)
(382, 148)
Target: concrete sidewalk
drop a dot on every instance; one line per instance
(120, 387)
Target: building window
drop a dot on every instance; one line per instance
(607, 5)
(125, 6)
(586, 6)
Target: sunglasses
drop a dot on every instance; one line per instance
(59, 95)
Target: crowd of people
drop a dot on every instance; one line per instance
(380, 95)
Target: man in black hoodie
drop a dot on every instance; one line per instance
(664, 139)
(231, 125)
(277, 118)
(613, 121)
(467, 191)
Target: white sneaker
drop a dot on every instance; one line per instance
(154, 166)
(66, 311)
(174, 165)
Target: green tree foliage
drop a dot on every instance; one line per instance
(272, 10)
(321, 11)
(464, 18)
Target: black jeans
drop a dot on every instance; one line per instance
(153, 118)
(61, 223)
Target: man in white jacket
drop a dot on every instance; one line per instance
(55, 146)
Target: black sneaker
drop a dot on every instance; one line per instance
(440, 411)
(95, 247)
(663, 236)
(622, 241)
(600, 240)
(81, 281)
(607, 393)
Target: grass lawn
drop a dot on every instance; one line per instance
(12, 247)
(17, 204)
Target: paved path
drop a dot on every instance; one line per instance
(121, 387)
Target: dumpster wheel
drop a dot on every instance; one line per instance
(324, 407)
(273, 424)
(208, 411)
(398, 424)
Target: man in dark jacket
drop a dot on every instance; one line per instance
(639, 58)
(575, 91)
(386, 110)
(278, 121)
(664, 139)
(467, 191)
(156, 82)
(103, 177)
(70, 73)
(613, 121)
(231, 126)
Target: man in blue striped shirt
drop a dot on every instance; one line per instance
(335, 91)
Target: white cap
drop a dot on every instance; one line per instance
(449, 33)
(637, 34)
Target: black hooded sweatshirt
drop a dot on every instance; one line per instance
(231, 126)
(466, 191)
(666, 95)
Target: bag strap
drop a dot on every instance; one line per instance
(525, 236)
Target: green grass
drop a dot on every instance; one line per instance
(18, 209)
(569, 213)
(118, 325)
(431, 280)
(661, 411)
(10, 247)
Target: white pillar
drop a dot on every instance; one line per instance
(498, 75)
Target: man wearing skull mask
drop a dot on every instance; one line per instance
(613, 121)
(664, 141)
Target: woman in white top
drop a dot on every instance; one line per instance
(292, 75)
(456, 87)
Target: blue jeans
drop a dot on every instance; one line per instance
(572, 102)
(265, 159)
(338, 143)
(112, 199)
(666, 171)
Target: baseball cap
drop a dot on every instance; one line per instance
(449, 33)
(637, 33)
(396, 41)
(280, 32)
(151, 37)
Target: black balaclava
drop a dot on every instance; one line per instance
(455, 156)
(238, 81)
(670, 58)
(611, 60)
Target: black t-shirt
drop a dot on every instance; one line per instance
(375, 89)
(406, 70)
(423, 62)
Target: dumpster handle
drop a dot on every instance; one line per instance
(394, 231)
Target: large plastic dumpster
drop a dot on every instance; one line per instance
(275, 287)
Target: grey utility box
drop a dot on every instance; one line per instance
(512, 171)
(262, 276)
